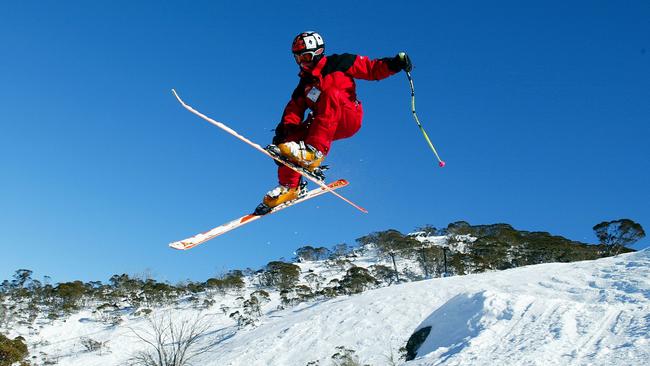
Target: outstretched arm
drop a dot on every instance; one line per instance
(367, 69)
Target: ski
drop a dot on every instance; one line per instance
(299, 170)
(247, 219)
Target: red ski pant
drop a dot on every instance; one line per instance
(337, 118)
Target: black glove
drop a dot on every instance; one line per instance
(404, 62)
(400, 62)
(282, 131)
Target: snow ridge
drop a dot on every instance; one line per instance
(582, 313)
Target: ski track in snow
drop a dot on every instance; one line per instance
(584, 313)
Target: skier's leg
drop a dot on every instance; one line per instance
(340, 118)
(288, 188)
(350, 122)
(323, 127)
(287, 176)
(295, 150)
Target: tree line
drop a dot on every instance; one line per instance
(491, 247)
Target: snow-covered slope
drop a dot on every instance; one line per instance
(584, 313)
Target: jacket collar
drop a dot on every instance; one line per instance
(316, 71)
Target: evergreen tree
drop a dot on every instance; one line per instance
(69, 295)
(281, 275)
(340, 250)
(12, 350)
(314, 280)
(356, 280)
(391, 243)
(232, 281)
(383, 273)
(309, 253)
(618, 234)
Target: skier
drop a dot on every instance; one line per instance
(327, 88)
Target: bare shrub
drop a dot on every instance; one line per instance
(92, 345)
(173, 341)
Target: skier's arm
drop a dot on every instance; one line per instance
(292, 116)
(294, 112)
(367, 69)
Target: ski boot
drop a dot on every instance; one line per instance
(301, 155)
(279, 195)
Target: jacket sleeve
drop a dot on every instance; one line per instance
(367, 69)
(294, 112)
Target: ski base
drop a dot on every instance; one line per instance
(246, 219)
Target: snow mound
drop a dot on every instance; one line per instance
(583, 313)
(594, 312)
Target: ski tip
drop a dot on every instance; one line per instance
(178, 97)
(177, 245)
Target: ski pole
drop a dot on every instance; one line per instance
(417, 120)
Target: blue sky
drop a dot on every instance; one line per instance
(541, 110)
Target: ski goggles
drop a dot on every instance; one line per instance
(307, 56)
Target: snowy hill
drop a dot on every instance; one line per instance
(583, 313)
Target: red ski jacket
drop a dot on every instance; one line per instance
(333, 77)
